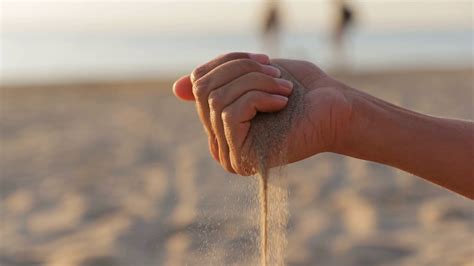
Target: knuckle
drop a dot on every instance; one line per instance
(227, 117)
(247, 65)
(258, 76)
(198, 72)
(267, 80)
(200, 88)
(215, 100)
(250, 99)
(268, 84)
(271, 81)
(230, 56)
(225, 56)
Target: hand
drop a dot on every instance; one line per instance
(230, 90)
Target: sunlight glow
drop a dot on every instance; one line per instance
(230, 16)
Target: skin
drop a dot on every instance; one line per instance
(231, 89)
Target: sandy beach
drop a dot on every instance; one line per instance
(119, 174)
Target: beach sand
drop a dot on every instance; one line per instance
(120, 174)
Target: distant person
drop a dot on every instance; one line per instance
(231, 89)
(343, 20)
(271, 28)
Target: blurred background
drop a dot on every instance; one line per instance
(101, 165)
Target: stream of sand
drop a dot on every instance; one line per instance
(268, 132)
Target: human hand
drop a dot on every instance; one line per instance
(233, 91)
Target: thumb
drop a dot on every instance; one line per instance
(183, 88)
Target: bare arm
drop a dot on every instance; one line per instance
(437, 149)
(336, 118)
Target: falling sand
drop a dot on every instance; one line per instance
(268, 133)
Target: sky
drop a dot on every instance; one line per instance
(224, 15)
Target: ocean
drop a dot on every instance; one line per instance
(48, 57)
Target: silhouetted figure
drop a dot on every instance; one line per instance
(271, 28)
(344, 19)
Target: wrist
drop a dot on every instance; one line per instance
(375, 128)
(356, 122)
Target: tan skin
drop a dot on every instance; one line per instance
(232, 88)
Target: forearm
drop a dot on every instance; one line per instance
(437, 149)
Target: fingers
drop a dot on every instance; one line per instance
(206, 68)
(227, 94)
(183, 88)
(232, 79)
(229, 71)
(236, 121)
(219, 76)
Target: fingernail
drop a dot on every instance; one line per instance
(280, 97)
(285, 83)
(271, 70)
(261, 58)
